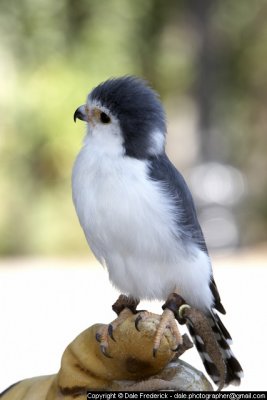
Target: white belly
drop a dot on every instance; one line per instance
(128, 223)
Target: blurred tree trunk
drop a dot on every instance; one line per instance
(205, 92)
(148, 45)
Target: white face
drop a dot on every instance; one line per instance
(103, 128)
(104, 132)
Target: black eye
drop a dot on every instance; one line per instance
(104, 118)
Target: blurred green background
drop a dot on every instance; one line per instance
(208, 61)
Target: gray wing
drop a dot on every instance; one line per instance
(161, 169)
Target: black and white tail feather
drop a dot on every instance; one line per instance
(233, 370)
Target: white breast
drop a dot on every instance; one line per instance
(128, 222)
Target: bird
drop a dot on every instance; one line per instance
(137, 212)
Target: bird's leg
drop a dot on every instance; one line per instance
(167, 320)
(123, 307)
(173, 303)
(170, 314)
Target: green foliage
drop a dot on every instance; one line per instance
(53, 52)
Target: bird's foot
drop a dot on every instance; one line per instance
(167, 320)
(123, 307)
(142, 315)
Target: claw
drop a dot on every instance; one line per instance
(110, 332)
(155, 352)
(176, 349)
(136, 322)
(104, 351)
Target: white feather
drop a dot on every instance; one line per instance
(128, 220)
(199, 339)
(207, 357)
(157, 143)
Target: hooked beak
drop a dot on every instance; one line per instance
(80, 113)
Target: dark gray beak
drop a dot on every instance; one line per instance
(80, 113)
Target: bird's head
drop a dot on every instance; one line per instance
(127, 115)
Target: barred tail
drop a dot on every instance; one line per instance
(234, 369)
(222, 366)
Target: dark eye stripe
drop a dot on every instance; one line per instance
(104, 118)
